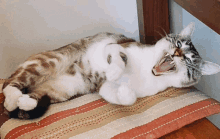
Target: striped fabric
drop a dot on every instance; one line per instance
(91, 117)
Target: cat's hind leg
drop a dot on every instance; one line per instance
(35, 103)
(117, 94)
(56, 90)
(32, 72)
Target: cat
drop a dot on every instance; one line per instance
(118, 68)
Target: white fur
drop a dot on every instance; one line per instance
(126, 95)
(95, 54)
(109, 92)
(117, 94)
(113, 72)
(25, 64)
(140, 74)
(137, 79)
(26, 103)
(117, 66)
(70, 85)
(11, 97)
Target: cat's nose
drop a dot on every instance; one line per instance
(178, 52)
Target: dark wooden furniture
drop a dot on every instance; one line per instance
(153, 19)
(207, 11)
(200, 129)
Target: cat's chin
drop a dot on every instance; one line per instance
(166, 65)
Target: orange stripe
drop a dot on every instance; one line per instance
(53, 118)
(172, 121)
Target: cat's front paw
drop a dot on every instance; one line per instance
(113, 72)
(26, 103)
(11, 97)
(126, 96)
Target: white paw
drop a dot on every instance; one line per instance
(113, 72)
(126, 96)
(11, 97)
(26, 103)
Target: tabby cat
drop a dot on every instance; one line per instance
(117, 67)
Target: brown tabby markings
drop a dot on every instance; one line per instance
(51, 56)
(96, 75)
(22, 78)
(52, 64)
(7, 82)
(17, 85)
(125, 40)
(16, 72)
(90, 76)
(124, 58)
(31, 69)
(80, 64)
(43, 63)
(71, 70)
(99, 83)
(35, 76)
(109, 59)
(32, 81)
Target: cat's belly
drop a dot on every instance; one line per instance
(69, 85)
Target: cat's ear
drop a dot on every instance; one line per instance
(188, 30)
(209, 68)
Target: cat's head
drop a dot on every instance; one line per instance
(181, 58)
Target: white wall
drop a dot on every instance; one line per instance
(207, 43)
(32, 26)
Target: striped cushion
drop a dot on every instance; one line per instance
(92, 117)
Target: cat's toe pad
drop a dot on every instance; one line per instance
(126, 96)
(11, 97)
(26, 103)
(113, 72)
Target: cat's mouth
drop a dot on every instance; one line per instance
(165, 66)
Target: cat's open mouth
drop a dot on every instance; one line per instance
(164, 66)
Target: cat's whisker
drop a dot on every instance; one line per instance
(191, 66)
(167, 54)
(172, 62)
(164, 31)
(160, 34)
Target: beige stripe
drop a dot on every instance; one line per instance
(2, 81)
(13, 123)
(126, 123)
(90, 120)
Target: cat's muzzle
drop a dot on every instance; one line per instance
(165, 66)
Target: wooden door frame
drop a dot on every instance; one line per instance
(153, 20)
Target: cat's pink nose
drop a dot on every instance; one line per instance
(178, 52)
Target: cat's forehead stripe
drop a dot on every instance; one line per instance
(178, 37)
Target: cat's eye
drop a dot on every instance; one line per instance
(178, 44)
